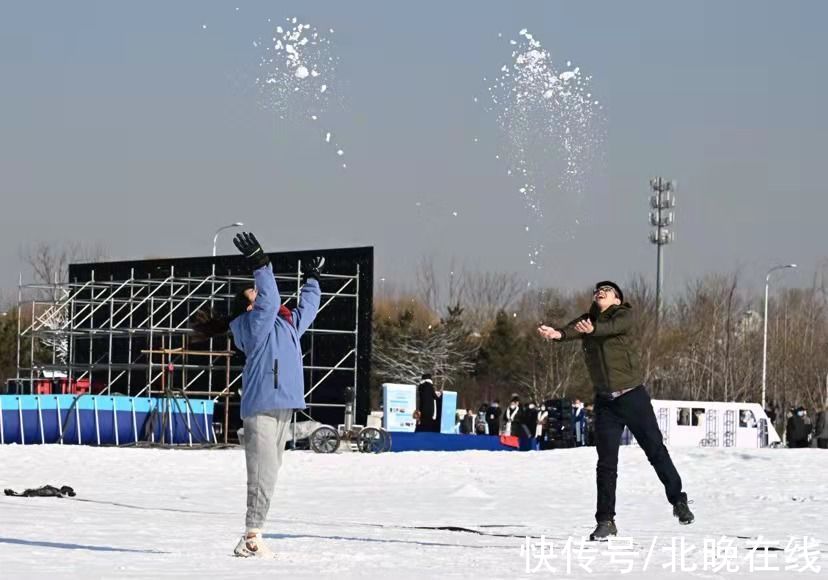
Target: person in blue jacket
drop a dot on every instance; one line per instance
(268, 334)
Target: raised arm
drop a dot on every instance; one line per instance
(259, 320)
(310, 295)
(309, 298)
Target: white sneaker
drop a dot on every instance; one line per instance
(253, 547)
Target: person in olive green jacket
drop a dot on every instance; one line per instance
(621, 400)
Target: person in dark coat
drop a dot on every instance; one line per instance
(528, 422)
(481, 427)
(512, 417)
(467, 423)
(607, 336)
(821, 431)
(541, 426)
(798, 430)
(809, 428)
(493, 415)
(579, 423)
(589, 412)
(429, 406)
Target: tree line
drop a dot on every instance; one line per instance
(476, 332)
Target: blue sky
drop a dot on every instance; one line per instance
(129, 124)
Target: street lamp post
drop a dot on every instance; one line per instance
(765, 339)
(212, 302)
(221, 229)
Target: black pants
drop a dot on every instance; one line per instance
(635, 411)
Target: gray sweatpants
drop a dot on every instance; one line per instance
(264, 443)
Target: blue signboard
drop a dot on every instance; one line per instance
(398, 405)
(449, 411)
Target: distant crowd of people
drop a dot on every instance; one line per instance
(801, 431)
(532, 423)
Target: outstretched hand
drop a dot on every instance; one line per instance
(549, 333)
(251, 249)
(247, 244)
(584, 326)
(313, 267)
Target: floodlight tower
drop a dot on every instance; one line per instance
(661, 202)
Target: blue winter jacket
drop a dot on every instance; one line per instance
(272, 377)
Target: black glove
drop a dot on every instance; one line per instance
(313, 268)
(251, 249)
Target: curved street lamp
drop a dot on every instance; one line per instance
(221, 229)
(765, 340)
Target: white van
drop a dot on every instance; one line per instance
(713, 424)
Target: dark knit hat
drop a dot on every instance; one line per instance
(239, 304)
(612, 285)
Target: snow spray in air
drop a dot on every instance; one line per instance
(552, 129)
(297, 76)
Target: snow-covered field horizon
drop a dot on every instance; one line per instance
(150, 513)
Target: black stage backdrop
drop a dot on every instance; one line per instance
(320, 348)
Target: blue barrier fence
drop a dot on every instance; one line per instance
(102, 420)
(402, 441)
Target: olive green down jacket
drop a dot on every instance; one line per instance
(608, 351)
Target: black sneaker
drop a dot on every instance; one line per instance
(682, 512)
(603, 531)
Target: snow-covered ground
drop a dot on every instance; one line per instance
(155, 513)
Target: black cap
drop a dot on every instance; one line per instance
(612, 285)
(426, 377)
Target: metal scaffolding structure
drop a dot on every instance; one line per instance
(131, 336)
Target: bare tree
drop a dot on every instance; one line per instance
(446, 348)
(487, 293)
(438, 291)
(50, 262)
(550, 370)
(709, 345)
(428, 282)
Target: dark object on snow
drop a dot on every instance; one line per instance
(44, 491)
